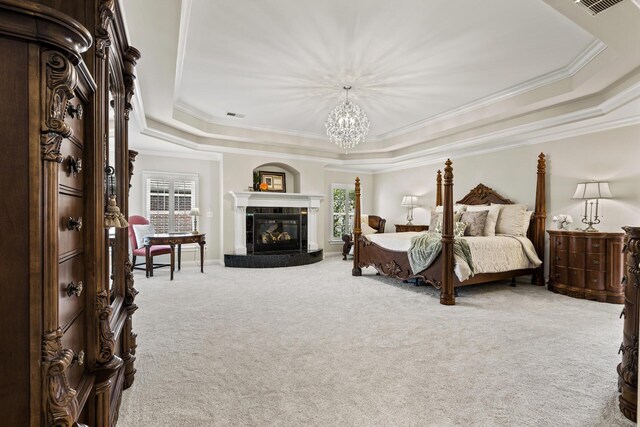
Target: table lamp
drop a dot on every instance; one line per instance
(409, 202)
(592, 192)
(195, 212)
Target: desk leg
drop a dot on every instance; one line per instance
(173, 258)
(179, 255)
(201, 257)
(148, 267)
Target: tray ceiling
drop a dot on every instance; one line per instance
(282, 63)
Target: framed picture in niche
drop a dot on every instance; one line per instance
(276, 181)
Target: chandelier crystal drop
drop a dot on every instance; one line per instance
(347, 125)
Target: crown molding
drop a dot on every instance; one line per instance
(183, 33)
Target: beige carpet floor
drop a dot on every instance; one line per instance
(314, 346)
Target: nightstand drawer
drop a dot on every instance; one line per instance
(576, 278)
(596, 245)
(596, 262)
(576, 260)
(561, 275)
(562, 243)
(595, 280)
(576, 244)
(561, 258)
(403, 228)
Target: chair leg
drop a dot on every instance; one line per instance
(134, 260)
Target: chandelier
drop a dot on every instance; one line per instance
(347, 125)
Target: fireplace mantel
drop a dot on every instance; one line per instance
(244, 199)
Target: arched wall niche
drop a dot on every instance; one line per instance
(292, 175)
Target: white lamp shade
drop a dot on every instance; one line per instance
(194, 212)
(410, 201)
(593, 190)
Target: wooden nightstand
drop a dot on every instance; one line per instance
(587, 265)
(401, 228)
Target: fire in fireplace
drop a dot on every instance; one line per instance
(276, 230)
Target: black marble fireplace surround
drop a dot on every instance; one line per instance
(276, 237)
(276, 230)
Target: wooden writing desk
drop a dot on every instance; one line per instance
(173, 240)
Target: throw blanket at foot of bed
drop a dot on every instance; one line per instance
(426, 247)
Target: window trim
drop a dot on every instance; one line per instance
(348, 187)
(171, 177)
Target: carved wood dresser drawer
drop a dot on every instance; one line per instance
(71, 292)
(594, 262)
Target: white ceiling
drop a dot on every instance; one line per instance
(434, 76)
(282, 63)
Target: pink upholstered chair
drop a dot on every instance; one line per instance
(153, 251)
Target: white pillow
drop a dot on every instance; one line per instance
(141, 231)
(510, 219)
(366, 229)
(527, 220)
(492, 217)
(364, 219)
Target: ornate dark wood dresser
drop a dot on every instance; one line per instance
(66, 341)
(587, 265)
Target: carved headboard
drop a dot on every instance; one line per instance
(482, 195)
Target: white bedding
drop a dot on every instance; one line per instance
(490, 254)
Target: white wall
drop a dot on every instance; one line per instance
(208, 198)
(609, 156)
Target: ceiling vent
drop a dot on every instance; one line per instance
(594, 7)
(236, 115)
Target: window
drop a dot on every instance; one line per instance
(169, 199)
(343, 204)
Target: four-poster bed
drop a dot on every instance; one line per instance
(440, 273)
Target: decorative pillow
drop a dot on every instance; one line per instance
(492, 217)
(526, 222)
(511, 219)
(141, 231)
(459, 229)
(475, 222)
(436, 220)
(366, 229)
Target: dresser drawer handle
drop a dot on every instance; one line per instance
(75, 165)
(595, 261)
(594, 280)
(74, 223)
(78, 358)
(558, 258)
(595, 245)
(73, 289)
(557, 275)
(75, 111)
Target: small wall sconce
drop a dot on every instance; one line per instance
(195, 213)
(592, 192)
(409, 202)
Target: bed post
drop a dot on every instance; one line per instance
(539, 218)
(439, 188)
(357, 231)
(447, 296)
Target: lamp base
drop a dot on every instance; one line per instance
(591, 229)
(409, 223)
(195, 232)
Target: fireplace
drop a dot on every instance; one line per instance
(272, 230)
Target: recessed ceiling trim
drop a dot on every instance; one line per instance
(185, 16)
(586, 56)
